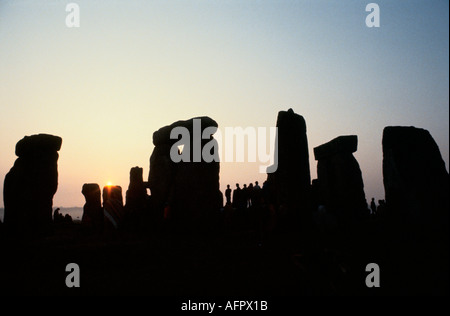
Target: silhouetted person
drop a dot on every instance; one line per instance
(244, 196)
(228, 194)
(237, 196)
(257, 195)
(68, 219)
(56, 216)
(373, 206)
(250, 195)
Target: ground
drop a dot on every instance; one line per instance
(220, 263)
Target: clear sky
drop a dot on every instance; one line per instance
(135, 66)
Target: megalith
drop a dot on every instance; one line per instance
(415, 179)
(113, 209)
(339, 178)
(186, 191)
(31, 183)
(289, 179)
(92, 209)
(136, 195)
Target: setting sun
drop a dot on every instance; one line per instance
(109, 183)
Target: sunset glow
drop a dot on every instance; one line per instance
(133, 67)
(205, 152)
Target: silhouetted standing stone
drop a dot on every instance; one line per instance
(196, 193)
(136, 194)
(31, 183)
(92, 210)
(416, 181)
(162, 172)
(340, 179)
(137, 206)
(291, 182)
(189, 189)
(416, 185)
(113, 205)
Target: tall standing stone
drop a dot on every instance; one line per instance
(416, 185)
(340, 179)
(415, 179)
(291, 180)
(92, 210)
(136, 195)
(137, 203)
(113, 209)
(31, 183)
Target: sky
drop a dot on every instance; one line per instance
(132, 67)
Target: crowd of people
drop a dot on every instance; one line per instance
(60, 218)
(247, 207)
(377, 210)
(244, 197)
(255, 204)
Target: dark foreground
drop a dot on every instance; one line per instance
(221, 263)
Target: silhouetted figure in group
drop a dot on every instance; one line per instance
(57, 216)
(256, 199)
(228, 194)
(68, 219)
(373, 206)
(249, 195)
(237, 196)
(244, 197)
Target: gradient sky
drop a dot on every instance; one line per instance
(135, 66)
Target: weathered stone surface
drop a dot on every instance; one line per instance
(31, 183)
(340, 179)
(415, 179)
(92, 210)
